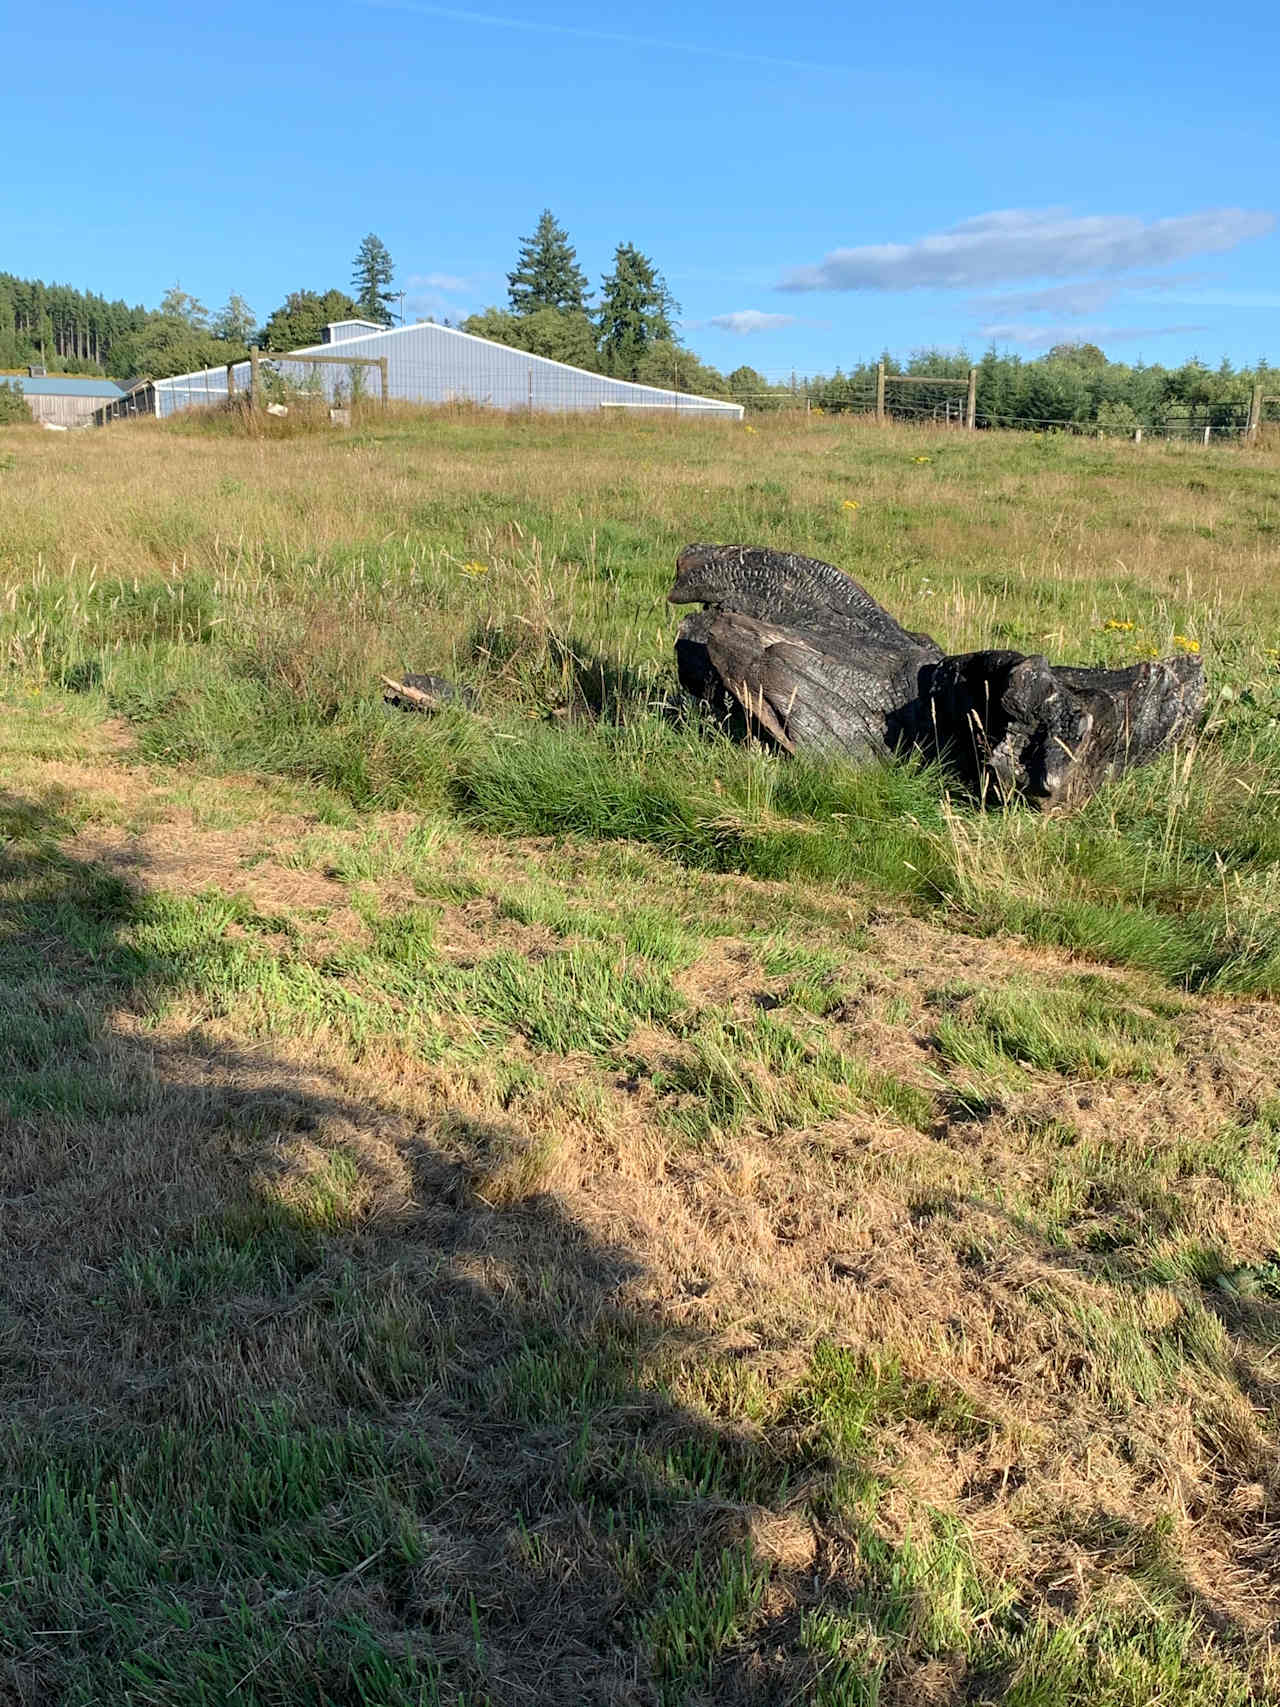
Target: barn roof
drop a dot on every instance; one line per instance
(62, 385)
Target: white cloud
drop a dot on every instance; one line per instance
(449, 283)
(1037, 337)
(1024, 243)
(1086, 296)
(745, 320)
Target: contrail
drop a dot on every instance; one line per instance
(538, 27)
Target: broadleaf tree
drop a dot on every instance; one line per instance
(178, 304)
(371, 275)
(561, 337)
(235, 321)
(636, 311)
(13, 403)
(547, 273)
(302, 317)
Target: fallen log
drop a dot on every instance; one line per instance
(812, 662)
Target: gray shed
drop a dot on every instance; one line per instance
(63, 400)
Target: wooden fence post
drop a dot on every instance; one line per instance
(255, 380)
(971, 404)
(231, 381)
(386, 379)
(880, 393)
(1255, 414)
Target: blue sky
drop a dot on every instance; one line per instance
(815, 182)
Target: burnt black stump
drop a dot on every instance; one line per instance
(812, 662)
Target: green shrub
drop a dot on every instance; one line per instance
(13, 404)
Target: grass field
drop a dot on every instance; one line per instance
(548, 1205)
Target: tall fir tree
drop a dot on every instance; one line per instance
(371, 276)
(547, 274)
(636, 310)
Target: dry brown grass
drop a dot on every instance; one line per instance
(968, 1258)
(953, 1408)
(142, 497)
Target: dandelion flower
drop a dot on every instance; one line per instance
(1117, 625)
(851, 504)
(749, 430)
(475, 568)
(921, 459)
(1184, 644)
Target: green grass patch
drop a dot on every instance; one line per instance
(1083, 1027)
(763, 1072)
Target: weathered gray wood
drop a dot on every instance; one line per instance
(812, 662)
(1255, 414)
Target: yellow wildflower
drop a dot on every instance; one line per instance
(1147, 651)
(851, 504)
(748, 429)
(475, 568)
(1184, 644)
(1117, 625)
(1272, 652)
(921, 459)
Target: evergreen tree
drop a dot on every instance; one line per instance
(636, 310)
(547, 274)
(371, 276)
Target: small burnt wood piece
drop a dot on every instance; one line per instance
(425, 693)
(814, 663)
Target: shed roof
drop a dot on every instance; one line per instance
(336, 330)
(62, 385)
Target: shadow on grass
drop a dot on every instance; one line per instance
(291, 1414)
(294, 1415)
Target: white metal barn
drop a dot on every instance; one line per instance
(436, 364)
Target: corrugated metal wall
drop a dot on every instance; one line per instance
(435, 364)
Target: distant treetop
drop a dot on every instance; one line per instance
(547, 274)
(302, 317)
(371, 274)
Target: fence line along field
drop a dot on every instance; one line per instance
(544, 1203)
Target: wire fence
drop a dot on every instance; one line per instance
(937, 400)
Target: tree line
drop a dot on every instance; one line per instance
(629, 331)
(78, 332)
(1071, 387)
(1075, 386)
